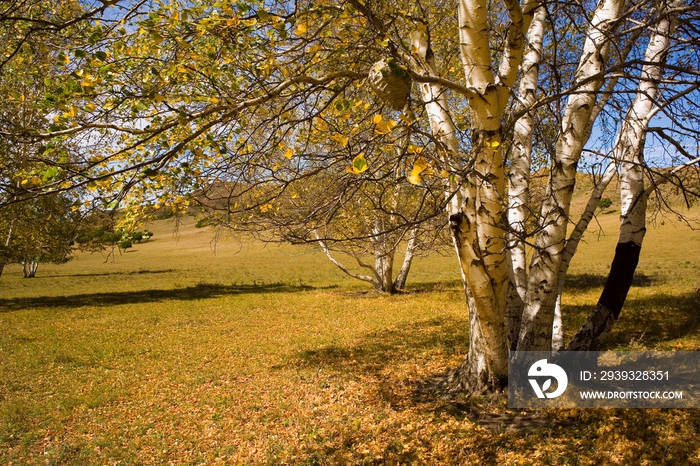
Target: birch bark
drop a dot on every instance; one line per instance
(629, 148)
(519, 177)
(400, 282)
(536, 327)
(571, 247)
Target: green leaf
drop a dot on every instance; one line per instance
(359, 165)
(50, 173)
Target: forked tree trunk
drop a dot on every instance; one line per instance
(485, 366)
(384, 265)
(593, 201)
(633, 196)
(29, 268)
(475, 208)
(382, 273)
(538, 316)
(400, 282)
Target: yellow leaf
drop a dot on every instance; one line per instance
(419, 166)
(289, 153)
(340, 139)
(493, 144)
(158, 98)
(377, 119)
(24, 182)
(414, 179)
(385, 126)
(301, 29)
(36, 180)
(405, 119)
(414, 149)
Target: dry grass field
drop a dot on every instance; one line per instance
(269, 355)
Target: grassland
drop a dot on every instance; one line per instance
(269, 355)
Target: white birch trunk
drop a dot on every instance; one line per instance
(519, 177)
(384, 265)
(477, 372)
(629, 149)
(571, 247)
(589, 211)
(400, 282)
(478, 227)
(29, 268)
(536, 327)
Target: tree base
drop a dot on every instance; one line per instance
(471, 378)
(594, 331)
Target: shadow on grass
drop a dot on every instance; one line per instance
(589, 281)
(430, 286)
(659, 318)
(199, 291)
(391, 346)
(106, 274)
(647, 321)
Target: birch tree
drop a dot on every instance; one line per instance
(250, 93)
(629, 151)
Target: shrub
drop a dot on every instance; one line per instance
(605, 203)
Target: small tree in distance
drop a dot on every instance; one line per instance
(604, 203)
(38, 230)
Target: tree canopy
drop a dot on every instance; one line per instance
(457, 102)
